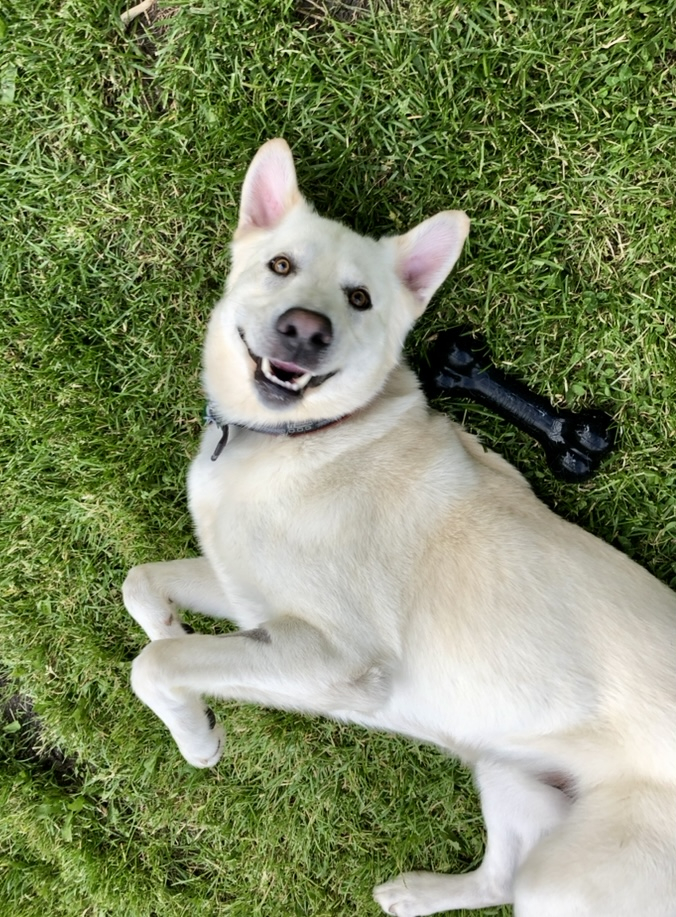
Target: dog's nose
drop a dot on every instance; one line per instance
(305, 329)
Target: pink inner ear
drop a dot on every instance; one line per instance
(270, 188)
(266, 208)
(429, 251)
(416, 271)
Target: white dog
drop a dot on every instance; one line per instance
(385, 570)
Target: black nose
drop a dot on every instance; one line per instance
(305, 331)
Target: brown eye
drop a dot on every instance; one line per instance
(359, 299)
(281, 265)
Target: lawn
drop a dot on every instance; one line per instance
(122, 152)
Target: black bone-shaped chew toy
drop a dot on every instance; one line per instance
(575, 442)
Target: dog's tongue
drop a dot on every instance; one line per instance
(291, 368)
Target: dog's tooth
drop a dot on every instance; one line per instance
(295, 386)
(266, 367)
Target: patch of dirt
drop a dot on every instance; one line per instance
(24, 742)
(150, 27)
(317, 11)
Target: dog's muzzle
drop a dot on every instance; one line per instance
(298, 345)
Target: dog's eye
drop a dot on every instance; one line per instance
(281, 265)
(359, 299)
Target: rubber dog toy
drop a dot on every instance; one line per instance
(575, 442)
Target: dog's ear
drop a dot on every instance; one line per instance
(270, 188)
(426, 254)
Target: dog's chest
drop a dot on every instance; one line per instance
(270, 520)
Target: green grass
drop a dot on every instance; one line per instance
(121, 159)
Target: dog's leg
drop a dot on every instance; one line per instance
(614, 856)
(153, 593)
(518, 810)
(286, 664)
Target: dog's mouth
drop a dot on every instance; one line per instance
(280, 382)
(288, 376)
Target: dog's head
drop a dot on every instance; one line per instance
(314, 315)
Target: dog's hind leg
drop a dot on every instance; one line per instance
(615, 856)
(518, 811)
(287, 664)
(153, 593)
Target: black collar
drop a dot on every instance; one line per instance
(212, 415)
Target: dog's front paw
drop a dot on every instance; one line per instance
(412, 894)
(204, 751)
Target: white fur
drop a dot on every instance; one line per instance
(387, 571)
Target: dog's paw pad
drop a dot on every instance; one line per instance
(413, 894)
(208, 753)
(395, 899)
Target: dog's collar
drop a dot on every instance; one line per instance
(212, 415)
